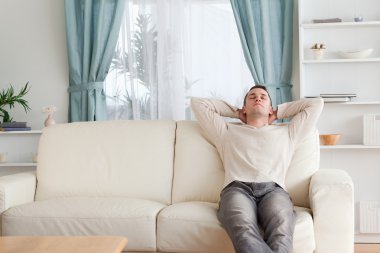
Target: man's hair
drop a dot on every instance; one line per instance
(258, 86)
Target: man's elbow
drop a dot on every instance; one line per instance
(321, 102)
(194, 101)
(318, 104)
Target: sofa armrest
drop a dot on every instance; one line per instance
(17, 189)
(332, 203)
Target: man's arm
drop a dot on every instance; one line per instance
(304, 113)
(210, 113)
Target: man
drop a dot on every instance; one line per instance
(256, 156)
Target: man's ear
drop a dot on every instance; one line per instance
(271, 110)
(243, 109)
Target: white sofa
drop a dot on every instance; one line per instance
(158, 183)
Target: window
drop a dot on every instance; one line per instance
(170, 50)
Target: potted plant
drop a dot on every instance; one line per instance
(318, 49)
(9, 99)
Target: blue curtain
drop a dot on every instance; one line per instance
(92, 28)
(266, 33)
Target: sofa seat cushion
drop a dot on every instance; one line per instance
(303, 240)
(194, 227)
(191, 227)
(133, 218)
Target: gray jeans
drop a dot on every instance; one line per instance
(244, 208)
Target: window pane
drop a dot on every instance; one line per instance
(169, 50)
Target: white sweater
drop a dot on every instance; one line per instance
(251, 154)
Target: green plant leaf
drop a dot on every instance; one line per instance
(8, 98)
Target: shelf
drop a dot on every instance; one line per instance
(348, 103)
(351, 146)
(355, 103)
(340, 25)
(18, 164)
(340, 60)
(22, 132)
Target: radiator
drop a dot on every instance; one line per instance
(371, 129)
(369, 216)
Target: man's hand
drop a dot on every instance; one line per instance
(242, 116)
(272, 117)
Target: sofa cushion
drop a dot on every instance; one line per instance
(133, 218)
(110, 158)
(193, 226)
(304, 163)
(198, 170)
(304, 231)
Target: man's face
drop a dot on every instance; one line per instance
(257, 103)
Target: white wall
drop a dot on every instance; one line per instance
(33, 48)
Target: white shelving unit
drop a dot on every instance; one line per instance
(19, 147)
(340, 61)
(18, 164)
(352, 146)
(21, 132)
(340, 25)
(334, 74)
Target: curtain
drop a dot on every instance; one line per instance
(266, 33)
(149, 65)
(170, 50)
(92, 28)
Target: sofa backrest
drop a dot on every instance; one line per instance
(108, 158)
(198, 170)
(199, 173)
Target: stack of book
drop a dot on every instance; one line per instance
(14, 126)
(327, 20)
(337, 98)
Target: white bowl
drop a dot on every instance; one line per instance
(356, 54)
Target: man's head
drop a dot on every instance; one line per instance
(257, 102)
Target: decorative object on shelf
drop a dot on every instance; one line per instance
(318, 50)
(3, 157)
(358, 18)
(329, 139)
(34, 157)
(327, 20)
(371, 129)
(356, 54)
(49, 110)
(337, 97)
(14, 126)
(9, 98)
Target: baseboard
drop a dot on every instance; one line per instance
(367, 238)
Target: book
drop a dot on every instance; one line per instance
(8, 129)
(338, 95)
(327, 20)
(331, 98)
(336, 99)
(13, 124)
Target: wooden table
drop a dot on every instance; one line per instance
(62, 244)
(367, 248)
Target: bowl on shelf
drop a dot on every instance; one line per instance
(356, 54)
(329, 139)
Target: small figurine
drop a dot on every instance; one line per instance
(49, 110)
